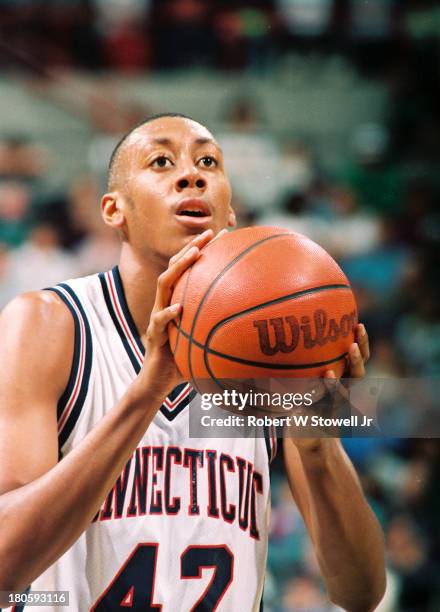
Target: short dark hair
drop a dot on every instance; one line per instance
(115, 153)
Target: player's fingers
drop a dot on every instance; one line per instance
(330, 380)
(157, 329)
(361, 337)
(168, 279)
(220, 234)
(336, 388)
(199, 241)
(177, 266)
(356, 363)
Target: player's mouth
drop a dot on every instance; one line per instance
(193, 212)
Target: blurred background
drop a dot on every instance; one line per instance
(328, 114)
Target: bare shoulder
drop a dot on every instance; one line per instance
(38, 333)
(36, 307)
(38, 315)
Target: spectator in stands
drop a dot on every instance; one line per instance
(297, 215)
(230, 42)
(377, 183)
(418, 204)
(407, 554)
(22, 159)
(307, 23)
(372, 31)
(244, 38)
(125, 40)
(6, 286)
(304, 593)
(95, 247)
(352, 231)
(15, 202)
(183, 35)
(40, 262)
(109, 121)
(99, 250)
(252, 157)
(338, 225)
(418, 332)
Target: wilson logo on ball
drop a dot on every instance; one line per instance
(316, 332)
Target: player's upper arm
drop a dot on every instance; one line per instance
(36, 352)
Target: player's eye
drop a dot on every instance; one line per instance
(161, 162)
(208, 161)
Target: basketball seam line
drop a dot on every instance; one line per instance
(262, 364)
(182, 302)
(207, 351)
(284, 298)
(295, 295)
(214, 282)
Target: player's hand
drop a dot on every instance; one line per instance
(159, 368)
(358, 355)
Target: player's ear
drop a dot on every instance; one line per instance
(232, 219)
(112, 211)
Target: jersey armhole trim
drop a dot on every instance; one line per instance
(270, 437)
(20, 607)
(72, 400)
(122, 326)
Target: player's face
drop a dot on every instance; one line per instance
(175, 186)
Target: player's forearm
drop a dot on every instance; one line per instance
(42, 519)
(348, 539)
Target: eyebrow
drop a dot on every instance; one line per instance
(168, 142)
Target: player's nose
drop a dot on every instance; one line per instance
(190, 178)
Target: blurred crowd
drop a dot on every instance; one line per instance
(377, 213)
(134, 35)
(379, 217)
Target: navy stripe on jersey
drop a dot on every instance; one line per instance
(108, 290)
(116, 303)
(72, 400)
(184, 394)
(270, 437)
(267, 440)
(274, 441)
(127, 315)
(20, 607)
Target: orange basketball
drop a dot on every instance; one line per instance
(263, 302)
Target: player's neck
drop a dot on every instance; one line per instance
(139, 281)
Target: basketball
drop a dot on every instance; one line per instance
(263, 302)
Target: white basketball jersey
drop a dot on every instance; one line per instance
(185, 526)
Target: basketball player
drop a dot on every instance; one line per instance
(103, 494)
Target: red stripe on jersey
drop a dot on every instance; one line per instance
(82, 348)
(121, 318)
(274, 442)
(172, 404)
